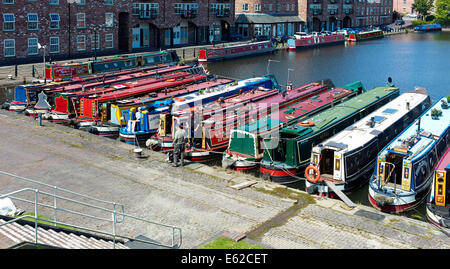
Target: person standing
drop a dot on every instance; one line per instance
(179, 141)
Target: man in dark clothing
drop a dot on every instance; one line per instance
(179, 141)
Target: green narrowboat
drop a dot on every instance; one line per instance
(288, 152)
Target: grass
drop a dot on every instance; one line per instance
(225, 243)
(42, 220)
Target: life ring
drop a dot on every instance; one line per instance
(308, 175)
(306, 123)
(179, 99)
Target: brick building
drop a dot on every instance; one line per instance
(77, 28)
(332, 15)
(403, 6)
(267, 17)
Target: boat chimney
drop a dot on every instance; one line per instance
(407, 106)
(418, 126)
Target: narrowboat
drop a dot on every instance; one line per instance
(438, 204)
(149, 126)
(96, 107)
(347, 158)
(288, 152)
(302, 40)
(68, 104)
(56, 71)
(367, 35)
(119, 111)
(428, 28)
(245, 147)
(403, 171)
(235, 51)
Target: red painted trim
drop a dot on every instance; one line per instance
(278, 173)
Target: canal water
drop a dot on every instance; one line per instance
(412, 60)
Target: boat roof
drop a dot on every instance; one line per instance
(259, 125)
(444, 163)
(339, 111)
(360, 133)
(239, 45)
(412, 143)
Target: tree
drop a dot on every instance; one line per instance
(442, 12)
(423, 7)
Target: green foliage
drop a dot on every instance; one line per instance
(442, 12)
(429, 18)
(225, 243)
(423, 7)
(420, 22)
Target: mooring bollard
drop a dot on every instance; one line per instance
(15, 70)
(40, 119)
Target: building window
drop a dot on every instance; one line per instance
(32, 21)
(109, 19)
(257, 7)
(81, 43)
(278, 7)
(8, 22)
(9, 46)
(54, 44)
(54, 21)
(32, 46)
(54, 2)
(109, 41)
(109, 2)
(258, 29)
(81, 2)
(270, 7)
(95, 41)
(81, 20)
(8, 1)
(244, 7)
(287, 7)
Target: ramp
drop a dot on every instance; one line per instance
(339, 193)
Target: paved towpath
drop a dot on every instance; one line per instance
(197, 198)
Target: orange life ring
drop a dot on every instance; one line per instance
(306, 123)
(179, 99)
(308, 175)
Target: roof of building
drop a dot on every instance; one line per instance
(266, 18)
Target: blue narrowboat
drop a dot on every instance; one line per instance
(428, 27)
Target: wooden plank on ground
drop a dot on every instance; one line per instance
(243, 185)
(339, 193)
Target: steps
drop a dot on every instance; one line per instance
(15, 233)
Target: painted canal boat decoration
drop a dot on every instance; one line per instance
(147, 128)
(287, 154)
(438, 202)
(347, 158)
(403, 172)
(61, 71)
(68, 104)
(302, 40)
(96, 107)
(120, 110)
(235, 51)
(428, 28)
(245, 148)
(362, 36)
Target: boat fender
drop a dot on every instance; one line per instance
(226, 163)
(309, 176)
(306, 123)
(170, 80)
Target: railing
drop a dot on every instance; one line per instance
(315, 11)
(348, 11)
(117, 217)
(145, 14)
(332, 11)
(222, 13)
(189, 14)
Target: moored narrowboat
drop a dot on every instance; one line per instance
(346, 159)
(428, 28)
(362, 36)
(438, 202)
(288, 152)
(304, 41)
(403, 171)
(235, 51)
(245, 148)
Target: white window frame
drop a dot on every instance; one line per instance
(8, 2)
(79, 42)
(111, 24)
(53, 44)
(94, 40)
(54, 2)
(258, 7)
(32, 22)
(245, 7)
(109, 38)
(81, 2)
(79, 20)
(55, 22)
(109, 2)
(13, 22)
(33, 47)
(9, 47)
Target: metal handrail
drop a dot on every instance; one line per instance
(113, 220)
(55, 188)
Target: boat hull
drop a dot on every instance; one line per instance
(279, 174)
(108, 131)
(315, 42)
(439, 215)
